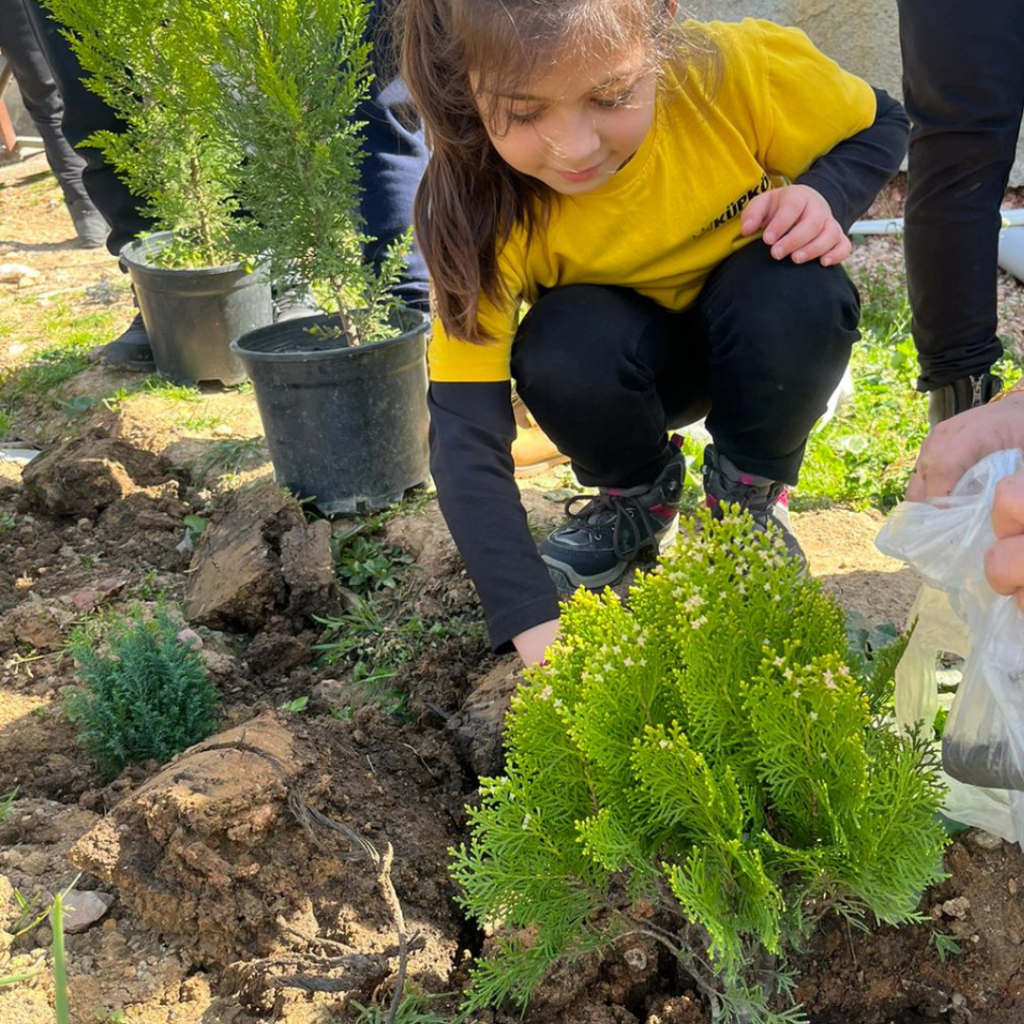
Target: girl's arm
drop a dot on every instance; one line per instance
(853, 172)
(471, 433)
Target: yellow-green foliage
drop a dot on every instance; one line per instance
(705, 750)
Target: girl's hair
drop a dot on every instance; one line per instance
(469, 199)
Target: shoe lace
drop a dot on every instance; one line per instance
(616, 505)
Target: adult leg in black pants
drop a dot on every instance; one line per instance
(963, 80)
(606, 372)
(43, 101)
(85, 113)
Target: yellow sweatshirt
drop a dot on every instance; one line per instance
(665, 221)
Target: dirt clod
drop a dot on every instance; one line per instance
(82, 476)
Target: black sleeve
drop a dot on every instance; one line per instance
(471, 434)
(851, 174)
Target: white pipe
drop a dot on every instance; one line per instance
(894, 225)
(1011, 251)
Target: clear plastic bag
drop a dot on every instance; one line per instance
(957, 612)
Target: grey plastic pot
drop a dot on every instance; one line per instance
(346, 427)
(192, 316)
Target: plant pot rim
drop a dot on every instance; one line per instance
(135, 252)
(420, 325)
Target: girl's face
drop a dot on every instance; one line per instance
(575, 125)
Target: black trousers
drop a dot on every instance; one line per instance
(963, 81)
(85, 113)
(606, 372)
(42, 98)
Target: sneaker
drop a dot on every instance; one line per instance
(766, 500)
(130, 350)
(294, 302)
(90, 226)
(608, 534)
(963, 394)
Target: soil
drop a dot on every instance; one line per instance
(245, 875)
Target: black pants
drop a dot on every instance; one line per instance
(85, 113)
(606, 372)
(963, 80)
(42, 98)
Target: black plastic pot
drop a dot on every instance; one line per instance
(346, 427)
(192, 316)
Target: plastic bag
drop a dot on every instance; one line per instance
(957, 612)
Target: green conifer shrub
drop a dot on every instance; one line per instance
(293, 74)
(703, 767)
(147, 695)
(141, 59)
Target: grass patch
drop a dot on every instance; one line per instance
(865, 455)
(6, 423)
(160, 387)
(201, 422)
(77, 333)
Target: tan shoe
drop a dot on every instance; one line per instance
(532, 450)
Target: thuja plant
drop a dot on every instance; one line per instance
(141, 60)
(699, 765)
(293, 74)
(146, 692)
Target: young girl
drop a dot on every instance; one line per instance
(671, 201)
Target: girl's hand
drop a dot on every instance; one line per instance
(1004, 560)
(532, 644)
(956, 444)
(797, 221)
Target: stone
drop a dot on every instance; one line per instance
(984, 840)
(476, 729)
(17, 273)
(957, 907)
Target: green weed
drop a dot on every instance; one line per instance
(201, 422)
(7, 802)
(365, 564)
(231, 456)
(8, 521)
(6, 424)
(160, 387)
(945, 945)
(412, 1010)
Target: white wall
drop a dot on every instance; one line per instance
(862, 35)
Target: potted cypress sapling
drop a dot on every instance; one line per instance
(194, 293)
(342, 396)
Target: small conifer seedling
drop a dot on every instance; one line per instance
(146, 696)
(702, 766)
(298, 71)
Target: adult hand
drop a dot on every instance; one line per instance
(1004, 560)
(956, 444)
(797, 222)
(532, 644)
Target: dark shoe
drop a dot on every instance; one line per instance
(130, 351)
(607, 535)
(766, 500)
(91, 228)
(963, 394)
